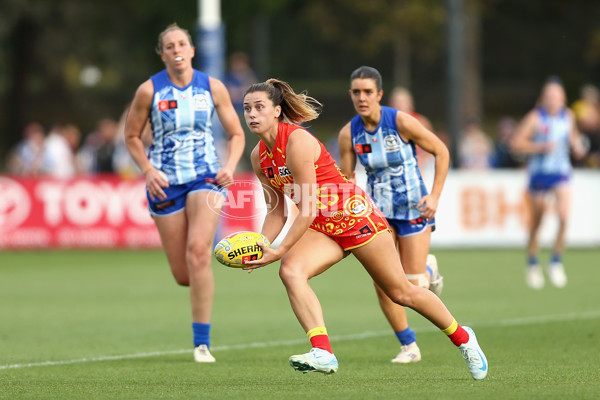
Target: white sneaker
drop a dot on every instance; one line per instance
(557, 275)
(437, 281)
(534, 277)
(202, 354)
(410, 353)
(316, 360)
(473, 355)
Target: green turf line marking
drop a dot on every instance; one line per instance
(592, 314)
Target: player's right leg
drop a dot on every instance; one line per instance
(313, 254)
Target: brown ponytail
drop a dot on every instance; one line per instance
(295, 107)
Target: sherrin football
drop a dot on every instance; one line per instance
(235, 249)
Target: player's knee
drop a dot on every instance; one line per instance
(290, 273)
(198, 255)
(401, 298)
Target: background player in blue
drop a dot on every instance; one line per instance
(383, 139)
(184, 177)
(548, 133)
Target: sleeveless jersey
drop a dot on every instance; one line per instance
(342, 206)
(393, 177)
(183, 145)
(552, 129)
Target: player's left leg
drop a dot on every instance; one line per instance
(202, 210)
(313, 254)
(556, 270)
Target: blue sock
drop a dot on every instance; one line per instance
(406, 336)
(201, 334)
(533, 260)
(556, 258)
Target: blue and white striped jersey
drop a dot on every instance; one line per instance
(183, 144)
(393, 177)
(554, 129)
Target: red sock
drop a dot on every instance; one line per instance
(319, 339)
(457, 334)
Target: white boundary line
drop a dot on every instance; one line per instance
(364, 335)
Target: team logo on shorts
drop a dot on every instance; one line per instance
(365, 230)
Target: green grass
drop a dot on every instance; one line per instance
(113, 325)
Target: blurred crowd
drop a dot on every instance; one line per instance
(63, 151)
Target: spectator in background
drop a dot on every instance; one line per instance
(587, 117)
(26, 158)
(107, 130)
(503, 156)
(547, 134)
(59, 151)
(475, 147)
(239, 78)
(401, 99)
(97, 153)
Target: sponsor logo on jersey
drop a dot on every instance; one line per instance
(165, 105)
(362, 148)
(270, 173)
(284, 171)
(391, 143)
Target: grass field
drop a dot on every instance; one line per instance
(113, 325)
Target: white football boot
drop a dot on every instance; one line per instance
(316, 360)
(534, 277)
(410, 353)
(202, 354)
(437, 281)
(473, 355)
(557, 275)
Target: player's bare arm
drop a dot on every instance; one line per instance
(347, 155)
(411, 129)
(233, 130)
(134, 127)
